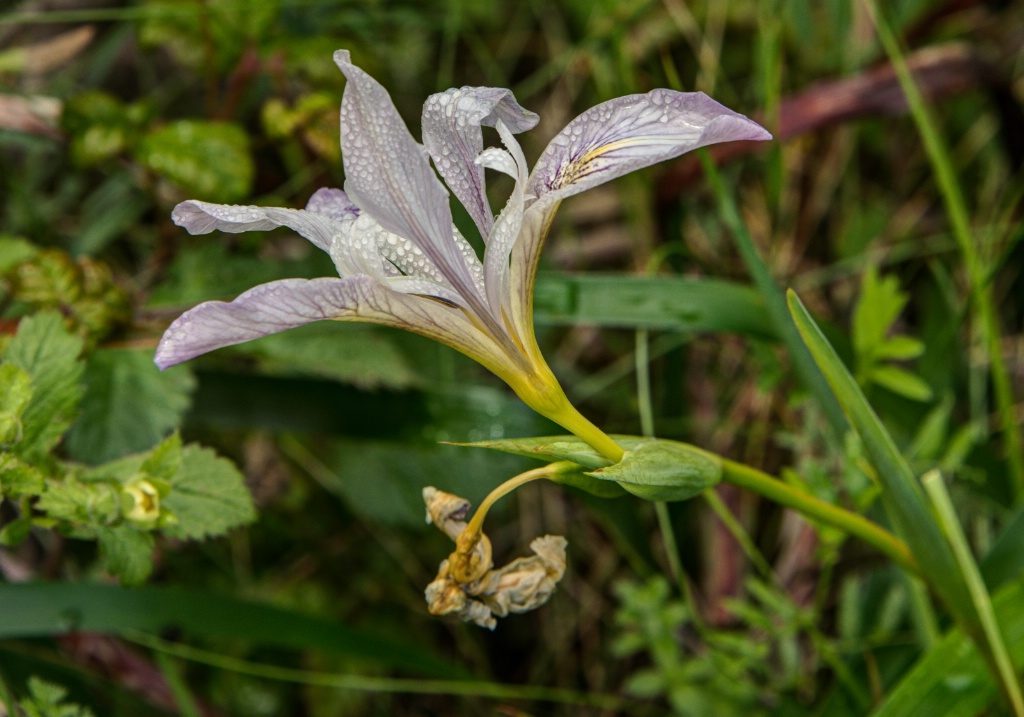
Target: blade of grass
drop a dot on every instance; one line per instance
(902, 497)
(773, 299)
(182, 696)
(936, 490)
(371, 683)
(977, 273)
(950, 680)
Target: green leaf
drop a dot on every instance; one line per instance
(557, 448)
(15, 393)
(127, 553)
(100, 127)
(651, 469)
(129, 405)
(364, 356)
(901, 382)
(902, 494)
(18, 478)
(900, 348)
(47, 700)
(15, 531)
(164, 461)
(657, 302)
(952, 679)
(42, 609)
(85, 504)
(209, 160)
(589, 484)
(49, 354)
(664, 470)
(878, 307)
(14, 251)
(208, 496)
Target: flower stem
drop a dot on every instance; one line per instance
(574, 421)
(816, 509)
(477, 521)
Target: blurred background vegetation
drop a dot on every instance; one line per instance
(112, 112)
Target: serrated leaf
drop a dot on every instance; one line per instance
(899, 348)
(129, 405)
(164, 461)
(18, 478)
(127, 553)
(208, 496)
(80, 503)
(880, 304)
(15, 394)
(664, 470)
(49, 354)
(209, 160)
(901, 382)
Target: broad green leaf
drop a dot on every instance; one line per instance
(902, 495)
(15, 393)
(208, 496)
(207, 160)
(42, 609)
(656, 302)
(664, 470)
(901, 382)
(129, 405)
(49, 354)
(126, 553)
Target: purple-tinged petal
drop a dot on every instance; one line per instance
(389, 177)
(280, 305)
(506, 229)
(260, 311)
(202, 218)
(452, 134)
(628, 133)
(332, 203)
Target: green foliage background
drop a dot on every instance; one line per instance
(651, 309)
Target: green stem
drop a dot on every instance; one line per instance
(816, 509)
(373, 683)
(476, 523)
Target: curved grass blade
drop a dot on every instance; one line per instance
(902, 495)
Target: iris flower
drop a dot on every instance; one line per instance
(400, 259)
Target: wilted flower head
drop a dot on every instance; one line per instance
(523, 585)
(401, 260)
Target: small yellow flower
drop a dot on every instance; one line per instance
(144, 506)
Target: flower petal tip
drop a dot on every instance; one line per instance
(342, 57)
